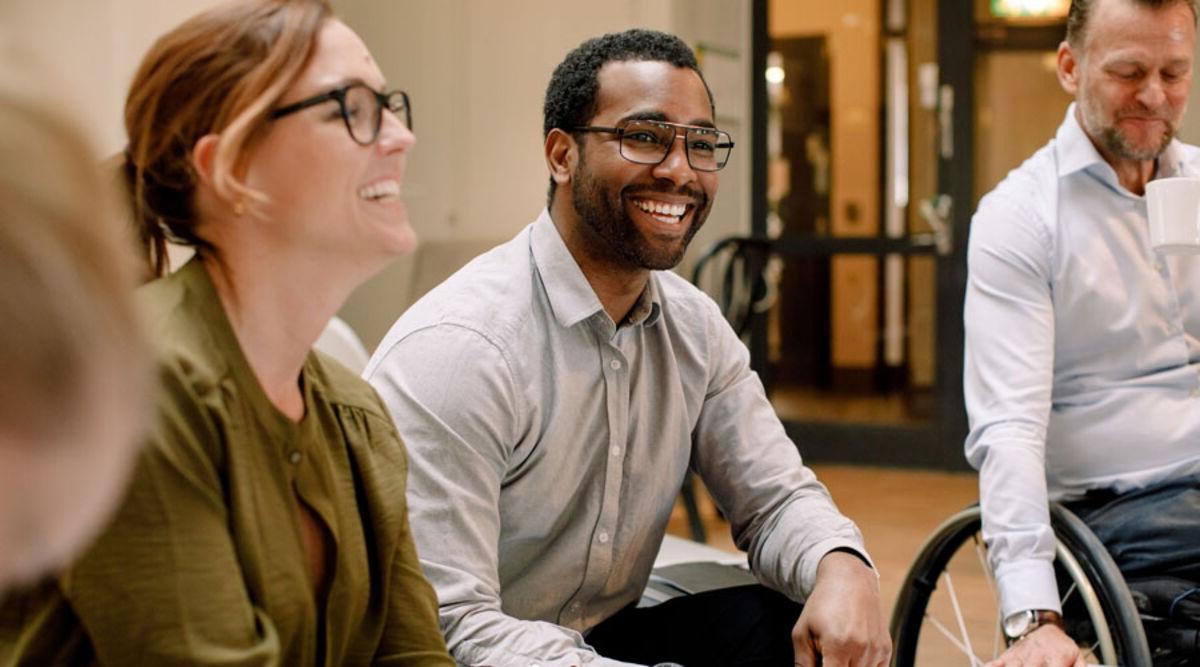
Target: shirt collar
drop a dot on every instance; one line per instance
(648, 307)
(571, 296)
(1076, 151)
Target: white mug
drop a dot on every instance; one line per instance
(1173, 205)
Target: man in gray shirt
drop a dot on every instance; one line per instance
(553, 393)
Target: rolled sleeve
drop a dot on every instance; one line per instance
(780, 514)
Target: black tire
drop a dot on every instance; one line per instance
(1084, 556)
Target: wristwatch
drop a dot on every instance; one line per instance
(1021, 623)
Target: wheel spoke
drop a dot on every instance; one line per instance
(1070, 591)
(981, 554)
(958, 616)
(940, 627)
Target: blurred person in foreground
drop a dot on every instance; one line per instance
(266, 521)
(555, 391)
(74, 373)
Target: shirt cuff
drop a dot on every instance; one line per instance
(857, 554)
(808, 567)
(1027, 584)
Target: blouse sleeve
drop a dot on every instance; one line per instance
(163, 584)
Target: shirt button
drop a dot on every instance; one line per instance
(615, 451)
(615, 365)
(295, 457)
(576, 605)
(602, 537)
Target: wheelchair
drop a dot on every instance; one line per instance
(948, 610)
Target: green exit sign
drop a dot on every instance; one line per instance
(1030, 8)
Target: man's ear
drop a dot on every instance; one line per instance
(1068, 68)
(562, 154)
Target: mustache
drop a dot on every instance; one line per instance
(1166, 115)
(697, 196)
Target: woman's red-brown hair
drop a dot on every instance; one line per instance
(219, 72)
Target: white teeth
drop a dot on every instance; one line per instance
(388, 188)
(661, 208)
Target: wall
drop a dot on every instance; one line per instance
(91, 49)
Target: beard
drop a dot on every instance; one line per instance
(1117, 142)
(603, 212)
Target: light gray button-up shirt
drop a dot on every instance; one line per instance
(1082, 357)
(547, 446)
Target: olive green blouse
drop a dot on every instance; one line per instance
(204, 562)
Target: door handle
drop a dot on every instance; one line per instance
(946, 121)
(936, 211)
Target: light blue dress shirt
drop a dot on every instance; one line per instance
(1081, 351)
(547, 446)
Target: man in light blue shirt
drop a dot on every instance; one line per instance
(1082, 359)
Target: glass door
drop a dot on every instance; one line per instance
(864, 111)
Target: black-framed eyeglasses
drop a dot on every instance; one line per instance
(650, 141)
(362, 109)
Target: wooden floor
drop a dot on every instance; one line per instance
(895, 509)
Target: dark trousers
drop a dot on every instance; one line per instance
(1149, 532)
(1153, 535)
(744, 625)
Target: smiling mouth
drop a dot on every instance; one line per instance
(381, 190)
(664, 212)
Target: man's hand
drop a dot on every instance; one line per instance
(1048, 646)
(842, 621)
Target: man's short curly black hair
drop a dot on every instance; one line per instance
(571, 95)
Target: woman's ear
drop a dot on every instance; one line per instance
(203, 156)
(562, 154)
(209, 196)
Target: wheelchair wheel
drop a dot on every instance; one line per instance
(948, 612)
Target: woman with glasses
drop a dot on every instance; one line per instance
(266, 521)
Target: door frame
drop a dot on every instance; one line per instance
(938, 442)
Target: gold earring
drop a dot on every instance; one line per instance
(239, 207)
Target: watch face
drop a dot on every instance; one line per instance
(1018, 624)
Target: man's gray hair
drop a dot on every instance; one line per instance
(1081, 10)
